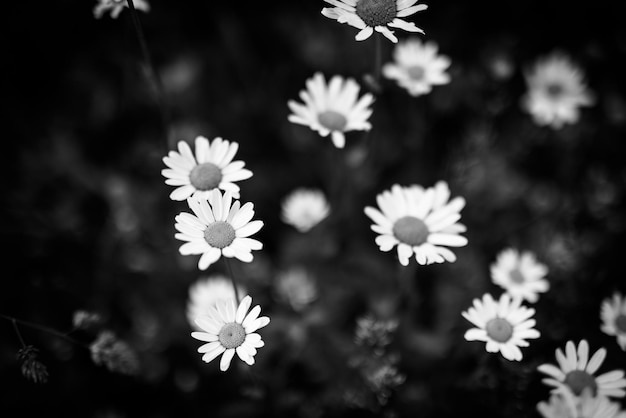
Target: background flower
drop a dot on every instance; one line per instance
(304, 208)
(520, 274)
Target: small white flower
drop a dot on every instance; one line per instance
(229, 329)
(205, 293)
(417, 67)
(520, 274)
(613, 315)
(116, 7)
(304, 208)
(374, 15)
(332, 109)
(504, 325)
(217, 229)
(297, 287)
(565, 404)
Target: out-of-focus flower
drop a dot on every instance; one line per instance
(520, 274)
(115, 7)
(613, 315)
(116, 355)
(565, 404)
(205, 293)
(212, 167)
(85, 320)
(332, 109)
(417, 67)
(556, 91)
(374, 333)
(576, 371)
(229, 329)
(297, 287)
(217, 229)
(304, 208)
(419, 221)
(32, 369)
(504, 325)
(382, 378)
(375, 15)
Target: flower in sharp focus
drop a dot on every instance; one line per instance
(565, 404)
(218, 228)
(205, 293)
(556, 91)
(520, 274)
(576, 371)
(333, 108)
(116, 355)
(229, 329)
(32, 369)
(375, 15)
(613, 315)
(417, 67)
(504, 325)
(304, 208)
(297, 287)
(418, 221)
(211, 167)
(116, 7)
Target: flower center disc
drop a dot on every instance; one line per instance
(333, 121)
(232, 335)
(376, 12)
(517, 276)
(554, 90)
(499, 330)
(416, 72)
(620, 323)
(205, 176)
(219, 234)
(578, 380)
(410, 230)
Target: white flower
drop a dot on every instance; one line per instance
(229, 329)
(217, 229)
(116, 7)
(212, 167)
(332, 109)
(419, 221)
(304, 208)
(374, 15)
(613, 315)
(297, 287)
(565, 404)
(576, 370)
(417, 66)
(504, 325)
(205, 293)
(520, 274)
(556, 90)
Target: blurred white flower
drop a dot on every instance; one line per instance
(520, 274)
(613, 315)
(565, 404)
(205, 292)
(116, 7)
(332, 109)
(304, 208)
(297, 287)
(116, 355)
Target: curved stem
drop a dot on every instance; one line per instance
(39, 327)
(232, 279)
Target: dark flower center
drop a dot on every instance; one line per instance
(578, 380)
(333, 121)
(410, 230)
(620, 323)
(416, 72)
(219, 234)
(499, 330)
(554, 90)
(232, 335)
(377, 12)
(205, 176)
(517, 276)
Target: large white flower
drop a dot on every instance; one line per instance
(210, 168)
(613, 315)
(556, 91)
(504, 325)
(229, 329)
(332, 109)
(304, 208)
(418, 221)
(565, 404)
(205, 293)
(374, 15)
(216, 228)
(116, 7)
(520, 274)
(417, 67)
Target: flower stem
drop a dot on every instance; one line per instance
(377, 59)
(17, 331)
(39, 327)
(232, 279)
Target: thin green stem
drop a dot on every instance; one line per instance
(39, 327)
(232, 279)
(17, 331)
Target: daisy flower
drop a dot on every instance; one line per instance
(576, 370)
(229, 329)
(418, 221)
(520, 274)
(304, 208)
(566, 405)
(374, 15)
(417, 66)
(556, 91)
(211, 167)
(205, 293)
(613, 315)
(116, 7)
(332, 108)
(504, 325)
(216, 228)
(297, 287)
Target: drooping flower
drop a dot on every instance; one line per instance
(520, 274)
(375, 15)
(418, 221)
(297, 287)
(304, 208)
(116, 7)
(205, 293)
(218, 228)
(565, 404)
(417, 67)
(32, 369)
(333, 108)
(504, 325)
(230, 329)
(613, 315)
(212, 167)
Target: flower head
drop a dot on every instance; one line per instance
(418, 221)
(504, 325)
(565, 404)
(417, 67)
(113, 353)
(32, 369)
(229, 329)
(116, 7)
(304, 208)
(520, 274)
(613, 315)
(218, 227)
(333, 108)
(374, 15)
(205, 293)
(297, 287)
